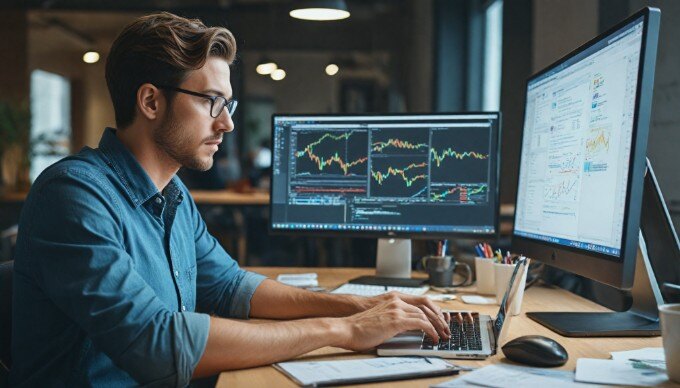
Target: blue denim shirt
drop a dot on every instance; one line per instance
(113, 280)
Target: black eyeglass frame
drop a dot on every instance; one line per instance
(229, 104)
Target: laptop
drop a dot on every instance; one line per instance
(476, 339)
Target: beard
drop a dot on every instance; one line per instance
(177, 142)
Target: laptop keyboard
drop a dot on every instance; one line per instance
(464, 336)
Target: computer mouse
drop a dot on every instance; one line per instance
(536, 350)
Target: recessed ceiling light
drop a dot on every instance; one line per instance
(332, 69)
(320, 10)
(266, 66)
(278, 74)
(91, 57)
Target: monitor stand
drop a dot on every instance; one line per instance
(641, 320)
(393, 265)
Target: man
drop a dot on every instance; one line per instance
(117, 281)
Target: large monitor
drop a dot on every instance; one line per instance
(386, 176)
(582, 163)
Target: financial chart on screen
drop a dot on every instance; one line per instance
(411, 173)
(576, 146)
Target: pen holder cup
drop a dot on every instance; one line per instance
(502, 274)
(441, 269)
(670, 335)
(484, 271)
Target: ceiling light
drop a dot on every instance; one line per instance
(332, 69)
(320, 10)
(278, 74)
(266, 66)
(91, 57)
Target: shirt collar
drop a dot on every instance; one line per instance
(138, 186)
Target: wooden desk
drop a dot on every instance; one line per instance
(234, 201)
(536, 299)
(229, 197)
(13, 196)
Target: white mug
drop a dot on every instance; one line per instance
(670, 332)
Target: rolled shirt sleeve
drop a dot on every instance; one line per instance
(82, 266)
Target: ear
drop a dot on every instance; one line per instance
(150, 101)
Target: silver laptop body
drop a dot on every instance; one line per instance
(491, 331)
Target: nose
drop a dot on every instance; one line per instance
(224, 122)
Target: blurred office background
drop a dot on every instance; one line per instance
(388, 56)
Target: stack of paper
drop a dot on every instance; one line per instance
(618, 372)
(502, 375)
(299, 279)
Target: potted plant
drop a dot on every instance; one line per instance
(15, 121)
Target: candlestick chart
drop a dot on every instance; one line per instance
(399, 166)
(332, 153)
(459, 172)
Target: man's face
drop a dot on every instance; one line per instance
(188, 133)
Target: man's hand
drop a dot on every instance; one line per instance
(437, 318)
(393, 313)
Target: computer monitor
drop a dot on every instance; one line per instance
(582, 166)
(392, 177)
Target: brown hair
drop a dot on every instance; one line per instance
(160, 49)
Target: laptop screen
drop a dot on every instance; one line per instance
(508, 298)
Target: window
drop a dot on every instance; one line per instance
(50, 120)
(467, 53)
(493, 49)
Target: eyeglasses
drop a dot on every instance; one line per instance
(217, 103)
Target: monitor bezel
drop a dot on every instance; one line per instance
(390, 234)
(607, 269)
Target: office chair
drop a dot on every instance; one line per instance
(6, 269)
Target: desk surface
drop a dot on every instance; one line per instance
(229, 197)
(537, 298)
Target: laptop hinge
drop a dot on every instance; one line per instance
(492, 335)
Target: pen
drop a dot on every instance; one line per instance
(479, 251)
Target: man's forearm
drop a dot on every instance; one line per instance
(237, 344)
(279, 301)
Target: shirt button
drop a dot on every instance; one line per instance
(184, 308)
(176, 273)
(159, 200)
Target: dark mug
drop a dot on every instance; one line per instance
(441, 269)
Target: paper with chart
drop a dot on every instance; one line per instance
(310, 372)
(653, 357)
